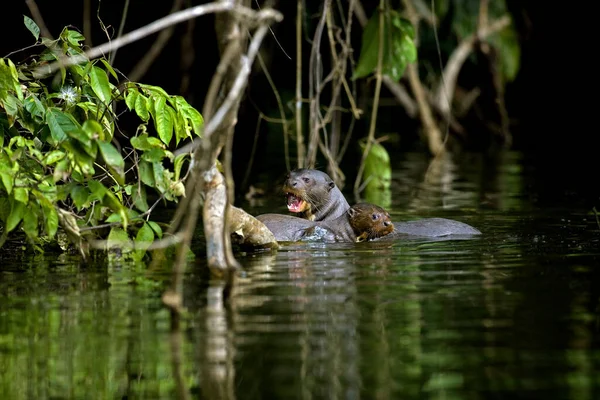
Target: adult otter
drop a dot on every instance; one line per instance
(361, 222)
(314, 196)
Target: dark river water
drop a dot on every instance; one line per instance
(514, 313)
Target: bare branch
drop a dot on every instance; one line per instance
(445, 91)
(373, 122)
(160, 24)
(314, 84)
(37, 17)
(144, 64)
(300, 149)
(236, 88)
(113, 54)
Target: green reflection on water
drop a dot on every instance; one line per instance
(513, 313)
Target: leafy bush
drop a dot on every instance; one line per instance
(60, 162)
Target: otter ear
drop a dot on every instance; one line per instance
(351, 212)
(331, 185)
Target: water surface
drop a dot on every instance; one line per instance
(513, 313)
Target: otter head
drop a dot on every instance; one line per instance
(308, 191)
(369, 221)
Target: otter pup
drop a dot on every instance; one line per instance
(313, 195)
(361, 222)
(369, 221)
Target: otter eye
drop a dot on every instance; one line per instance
(375, 217)
(305, 179)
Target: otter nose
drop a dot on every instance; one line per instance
(386, 223)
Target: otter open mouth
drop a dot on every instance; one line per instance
(296, 204)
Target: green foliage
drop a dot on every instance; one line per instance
(509, 52)
(398, 47)
(377, 175)
(60, 163)
(465, 18)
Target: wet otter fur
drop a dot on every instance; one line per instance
(361, 222)
(313, 195)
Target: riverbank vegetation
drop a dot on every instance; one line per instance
(90, 155)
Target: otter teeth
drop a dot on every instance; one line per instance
(293, 203)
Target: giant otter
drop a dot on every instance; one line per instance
(314, 196)
(361, 222)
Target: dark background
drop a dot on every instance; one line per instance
(552, 100)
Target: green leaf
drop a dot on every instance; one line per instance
(21, 194)
(378, 171)
(30, 221)
(83, 156)
(79, 195)
(144, 237)
(130, 98)
(141, 107)
(509, 52)
(74, 37)
(100, 84)
(32, 26)
(11, 105)
(190, 114)
(16, 215)
(93, 129)
(398, 47)
(367, 61)
(50, 219)
(114, 217)
(9, 80)
(154, 155)
(163, 122)
(144, 142)
(117, 238)
(156, 91)
(60, 123)
(139, 199)
(176, 125)
(113, 160)
(111, 155)
(62, 170)
(156, 228)
(109, 68)
(178, 163)
(7, 175)
(377, 175)
(34, 106)
(146, 173)
(97, 190)
(49, 213)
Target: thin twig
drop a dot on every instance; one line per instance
(286, 146)
(113, 54)
(445, 91)
(373, 122)
(314, 84)
(300, 149)
(155, 26)
(87, 22)
(152, 54)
